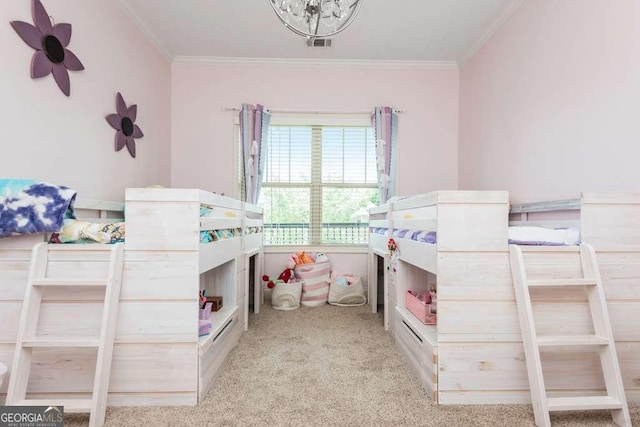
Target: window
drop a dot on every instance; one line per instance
(318, 183)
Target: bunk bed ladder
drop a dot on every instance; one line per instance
(602, 339)
(28, 339)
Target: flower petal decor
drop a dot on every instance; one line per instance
(123, 122)
(50, 42)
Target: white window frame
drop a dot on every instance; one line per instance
(320, 119)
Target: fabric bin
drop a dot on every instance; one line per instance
(315, 289)
(205, 312)
(351, 295)
(286, 296)
(419, 303)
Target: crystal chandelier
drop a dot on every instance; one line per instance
(316, 18)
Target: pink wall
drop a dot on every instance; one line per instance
(203, 148)
(67, 141)
(549, 106)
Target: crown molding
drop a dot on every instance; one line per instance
(364, 63)
(491, 30)
(126, 8)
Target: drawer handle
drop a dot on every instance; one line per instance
(412, 331)
(222, 330)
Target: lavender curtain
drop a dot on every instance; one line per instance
(254, 125)
(385, 124)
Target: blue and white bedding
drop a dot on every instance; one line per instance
(207, 236)
(28, 206)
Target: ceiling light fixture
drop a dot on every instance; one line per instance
(316, 18)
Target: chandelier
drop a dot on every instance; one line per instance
(316, 18)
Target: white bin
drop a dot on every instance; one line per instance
(286, 296)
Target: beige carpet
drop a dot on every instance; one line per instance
(326, 366)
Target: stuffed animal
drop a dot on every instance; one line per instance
(286, 276)
(320, 257)
(303, 258)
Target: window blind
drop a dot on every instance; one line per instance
(318, 183)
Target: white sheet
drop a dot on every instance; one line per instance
(524, 235)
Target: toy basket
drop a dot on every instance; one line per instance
(315, 289)
(286, 296)
(350, 295)
(419, 303)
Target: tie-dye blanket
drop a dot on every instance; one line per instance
(28, 206)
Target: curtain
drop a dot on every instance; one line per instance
(254, 126)
(385, 124)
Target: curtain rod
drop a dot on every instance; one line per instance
(282, 110)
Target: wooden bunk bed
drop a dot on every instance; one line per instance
(607, 221)
(474, 355)
(158, 358)
(471, 250)
(49, 373)
(166, 224)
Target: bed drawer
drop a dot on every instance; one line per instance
(212, 361)
(419, 352)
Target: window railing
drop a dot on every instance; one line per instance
(343, 233)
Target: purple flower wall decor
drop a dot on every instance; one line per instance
(123, 123)
(50, 42)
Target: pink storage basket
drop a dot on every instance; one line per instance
(419, 303)
(315, 289)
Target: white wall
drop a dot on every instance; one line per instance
(66, 141)
(548, 107)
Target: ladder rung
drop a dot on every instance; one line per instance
(70, 282)
(70, 405)
(561, 282)
(570, 340)
(581, 403)
(53, 341)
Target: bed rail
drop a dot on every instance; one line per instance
(103, 208)
(546, 206)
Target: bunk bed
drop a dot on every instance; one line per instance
(178, 243)
(198, 237)
(474, 354)
(47, 372)
(460, 247)
(606, 221)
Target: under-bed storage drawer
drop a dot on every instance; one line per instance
(419, 351)
(213, 356)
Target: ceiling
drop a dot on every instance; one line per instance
(398, 30)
